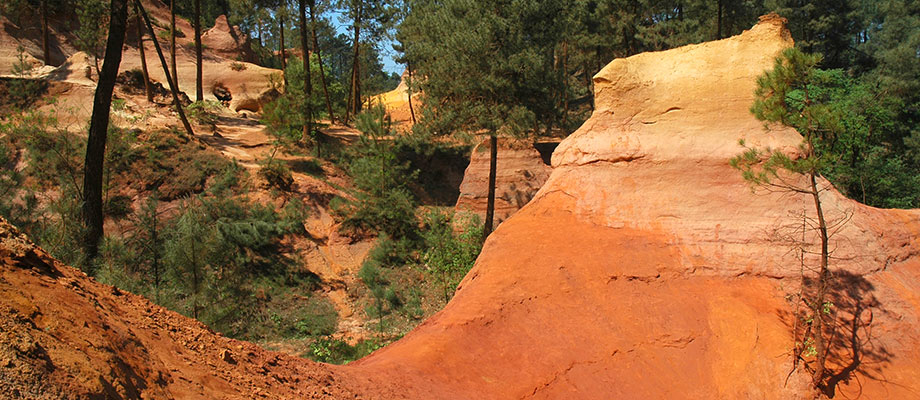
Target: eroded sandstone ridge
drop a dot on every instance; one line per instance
(644, 268)
(520, 172)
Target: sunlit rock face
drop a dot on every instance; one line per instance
(646, 267)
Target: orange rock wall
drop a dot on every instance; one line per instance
(645, 267)
(520, 172)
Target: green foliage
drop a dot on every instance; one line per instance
(284, 116)
(51, 162)
(92, 16)
(277, 175)
(854, 145)
(337, 351)
(449, 252)
(319, 318)
(381, 200)
(174, 165)
(22, 90)
(216, 252)
(488, 65)
(203, 112)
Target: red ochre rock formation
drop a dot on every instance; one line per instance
(520, 172)
(228, 41)
(644, 268)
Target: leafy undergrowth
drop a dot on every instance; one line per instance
(183, 231)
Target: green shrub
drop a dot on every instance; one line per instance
(337, 351)
(204, 112)
(22, 90)
(318, 318)
(381, 200)
(449, 253)
(277, 175)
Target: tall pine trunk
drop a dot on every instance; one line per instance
(98, 129)
(172, 42)
(140, 47)
(319, 59)
(719, 20)
(409, 89)
(199, 90)
(355, 93)
(173, 87)
(46, 51)
(308, 81)
(490, 202)
(565, 84)
(283, 55)
(821, 291)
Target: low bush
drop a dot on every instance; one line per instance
(337, 351)
(204, 112)
(277, 175)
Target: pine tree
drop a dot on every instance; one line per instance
(199, 90)
(99, 125)
(488, 68)
(784, 96)
(172, 43)
(140, 47)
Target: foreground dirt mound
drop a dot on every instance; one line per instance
(63, 335)
(644, 268)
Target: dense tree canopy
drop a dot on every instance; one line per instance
(527, 65)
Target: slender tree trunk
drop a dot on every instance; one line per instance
(199, 90)
(172, 42)
(140, 47)
(172, 85)
(319, 59)
(565, 84)
(589, 84)
(358, 103)
(46, 51)
(821, 290)
(355, 67)
(283, 58)
(719, 21)
(98, 129)
(308, 80)
(490, 203)
(259, 36)
(409, 89)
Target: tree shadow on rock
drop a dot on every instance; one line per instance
(852, 354)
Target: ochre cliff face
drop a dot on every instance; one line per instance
(644, 268)
(520, 173)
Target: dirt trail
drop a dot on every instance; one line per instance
(334, 259)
